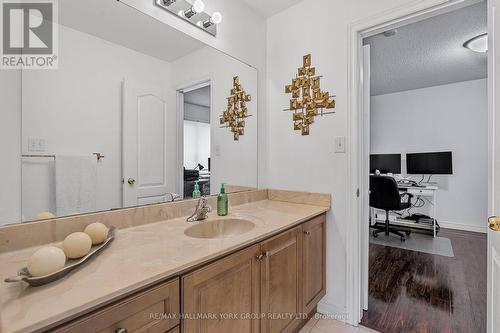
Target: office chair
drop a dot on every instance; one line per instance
(384, 194)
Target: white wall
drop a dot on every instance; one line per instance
(10, 146)
(450, 117)
(319, 27)
(77, 110)
(196, 144)
(232, 162)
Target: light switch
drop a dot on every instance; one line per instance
(217, 151)
(340, 144)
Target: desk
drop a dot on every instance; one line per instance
(427, 192)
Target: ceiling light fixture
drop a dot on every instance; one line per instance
(390, 33)
(478, 44)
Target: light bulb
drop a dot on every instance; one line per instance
(216, 18)
(199, 6)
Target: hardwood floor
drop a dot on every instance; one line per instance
(418, 292)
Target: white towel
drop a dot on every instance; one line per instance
(76, 184)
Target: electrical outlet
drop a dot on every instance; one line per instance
(36, 145)
(340, 144)
(41, 145)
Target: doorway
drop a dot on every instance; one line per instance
(426, 91)
(358, 258)
(195, 141)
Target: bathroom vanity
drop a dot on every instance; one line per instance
(282, 275)
(156, 278)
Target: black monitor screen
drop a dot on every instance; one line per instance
(385, 163)
(429, 163)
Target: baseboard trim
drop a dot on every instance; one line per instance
(332, 311)
(462, 226)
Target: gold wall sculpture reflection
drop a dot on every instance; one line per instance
(237, 111)
(308, 100)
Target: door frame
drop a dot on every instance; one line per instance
(359, 153)
(206, 81)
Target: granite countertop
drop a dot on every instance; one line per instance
(137, 258)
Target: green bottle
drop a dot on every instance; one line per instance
(196, 192)
(222, 204)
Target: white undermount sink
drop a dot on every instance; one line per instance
(222, 228)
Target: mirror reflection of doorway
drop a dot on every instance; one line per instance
(197, 141)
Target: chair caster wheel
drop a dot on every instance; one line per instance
(375, 235)
(403, 239)
(408, 233)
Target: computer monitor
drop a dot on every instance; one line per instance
(438, 163)
(385, 163)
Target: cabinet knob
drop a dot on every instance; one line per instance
(121, 330)
(261, 256)
(307, 233)
(131, 181)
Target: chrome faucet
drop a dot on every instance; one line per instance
(174, 197)
(201, 211)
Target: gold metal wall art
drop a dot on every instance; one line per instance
(234, 116)
(308, 100)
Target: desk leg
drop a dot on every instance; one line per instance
(434, 216)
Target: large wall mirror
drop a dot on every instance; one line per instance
(130, 117)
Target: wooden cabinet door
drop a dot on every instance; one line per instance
(281, 283)
(217, 297)
(314, 262)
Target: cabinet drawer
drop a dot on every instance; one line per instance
(153, 311)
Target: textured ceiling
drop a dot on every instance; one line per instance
(429, 52)
(118, 23)
(268, 8)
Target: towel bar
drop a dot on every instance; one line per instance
(99, 156)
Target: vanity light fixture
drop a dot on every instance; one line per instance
(197, 7)
(478, 44)
(193, 12)
(216, 18)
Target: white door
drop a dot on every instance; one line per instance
(365, 227)
(144, 144)
(493, 316)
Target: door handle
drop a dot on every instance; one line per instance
(131, 181)
(494, 223)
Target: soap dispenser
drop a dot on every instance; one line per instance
(196, 192)
(222, 204)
